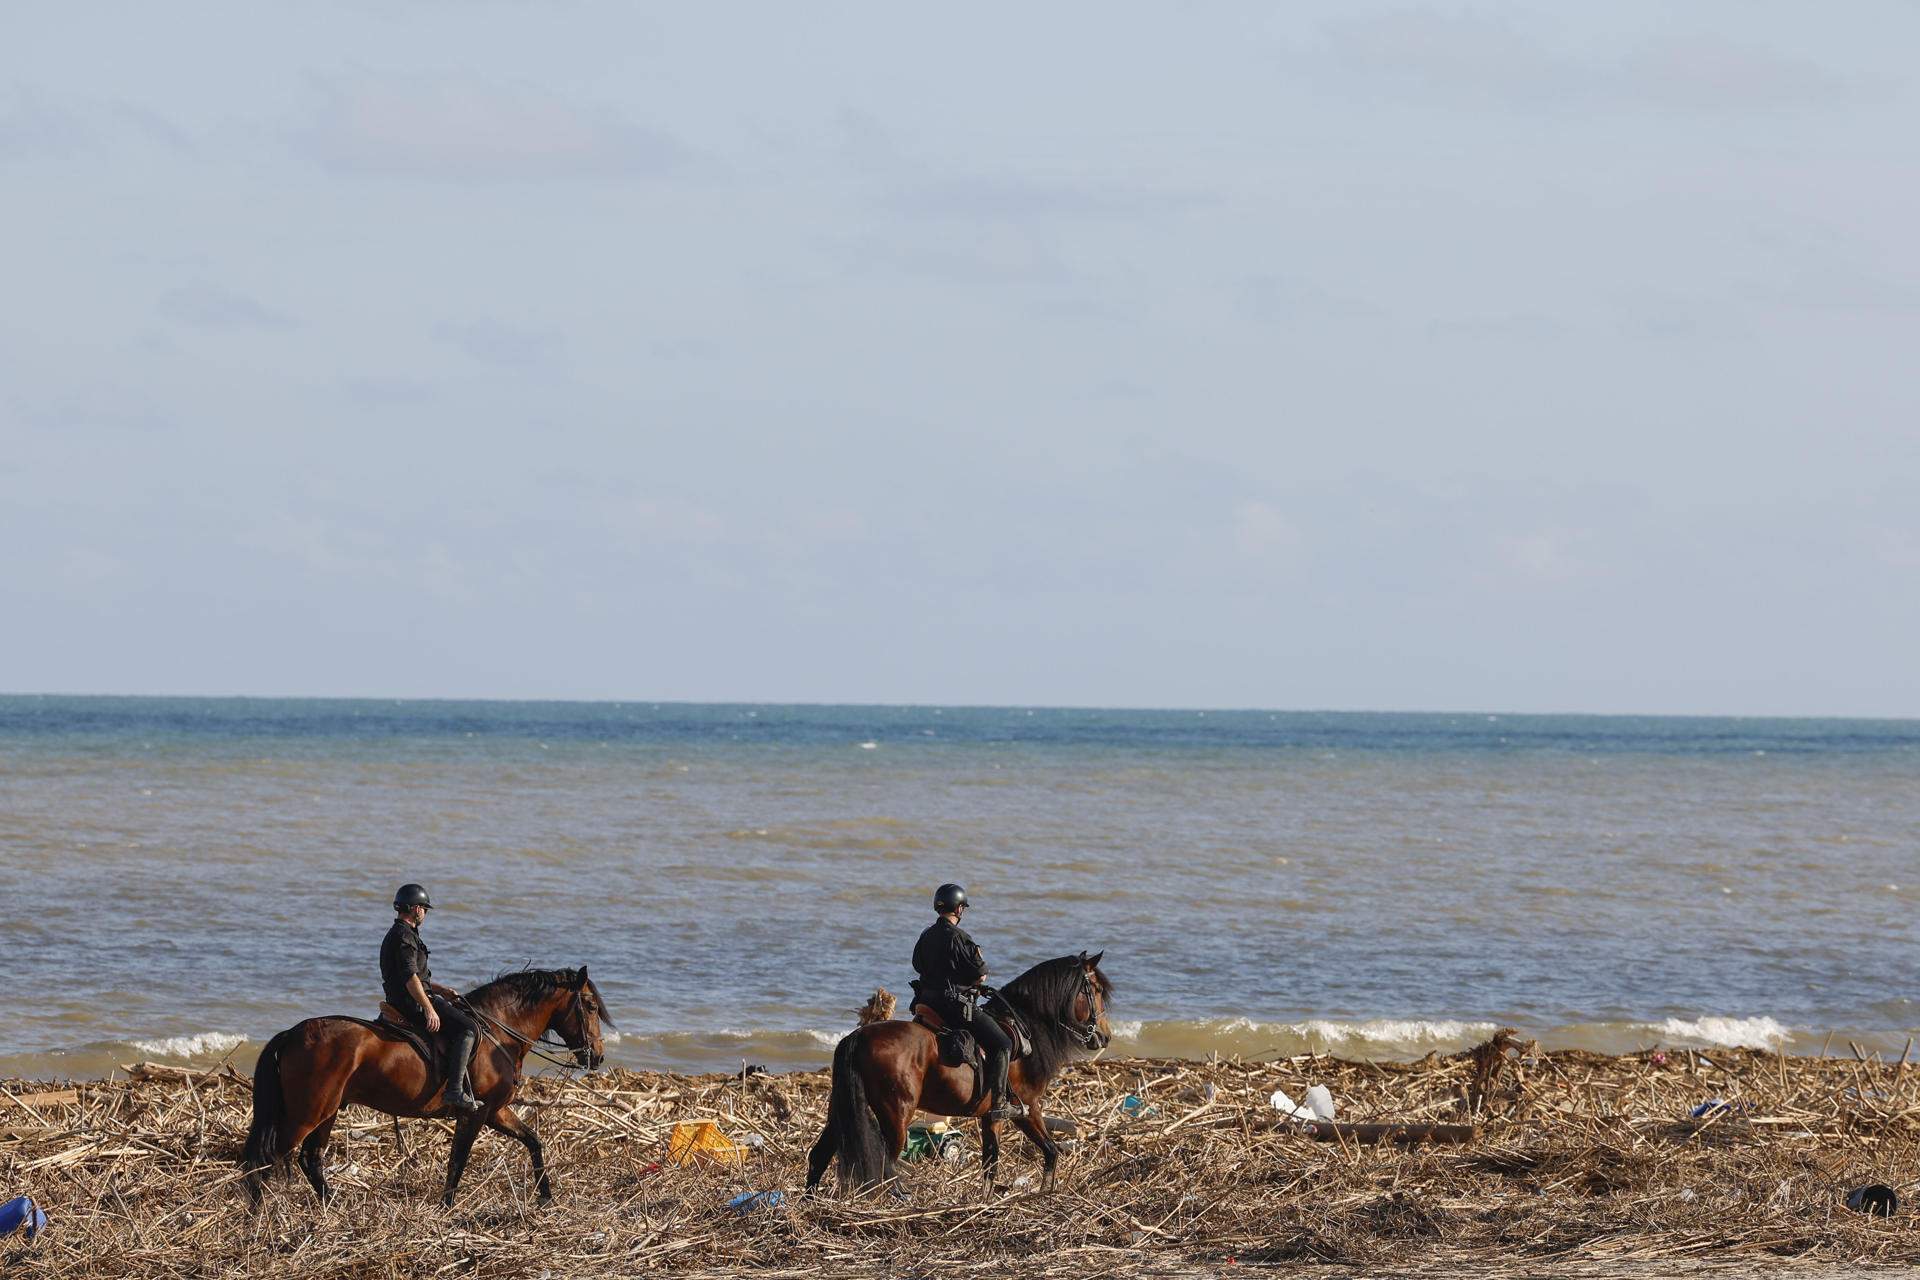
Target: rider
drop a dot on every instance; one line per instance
(411, 989)
(951, 970)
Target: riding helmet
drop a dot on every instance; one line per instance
(949, 897)
(411, 895)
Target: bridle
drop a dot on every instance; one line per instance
(533, 1046)
(1088, 1033)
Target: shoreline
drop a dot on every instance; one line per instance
(1196, 1040)
(1582, 1164)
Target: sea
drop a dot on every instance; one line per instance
(186, 876)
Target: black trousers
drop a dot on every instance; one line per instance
(454, 1021)
(993, 1040)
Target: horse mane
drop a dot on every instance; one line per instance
(1045, 994)
(526, 988)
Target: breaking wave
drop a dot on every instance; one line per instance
(205, 1044)
(728, 1049)
(1728, 1033)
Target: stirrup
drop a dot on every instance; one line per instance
(1002, 1112)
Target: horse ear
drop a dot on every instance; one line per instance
(582, 975)
(1093, 961)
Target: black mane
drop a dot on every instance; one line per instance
(1045, 995)
(526, 988)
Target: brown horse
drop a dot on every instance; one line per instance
(308, 1072)
(884, 1072)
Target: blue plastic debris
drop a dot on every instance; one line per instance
(747, 1202)
(19, 1212)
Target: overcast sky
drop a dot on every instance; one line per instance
(1490, 357)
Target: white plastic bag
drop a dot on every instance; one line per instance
(1318, 1106)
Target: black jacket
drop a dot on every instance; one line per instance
(948, 961)
(403, 955)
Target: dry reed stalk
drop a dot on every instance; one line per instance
(1582, 1160)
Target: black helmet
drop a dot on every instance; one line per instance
(411, 895)
(949, 897)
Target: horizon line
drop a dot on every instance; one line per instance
(957, 706)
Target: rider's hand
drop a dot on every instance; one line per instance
(433, 1019)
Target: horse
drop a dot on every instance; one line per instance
(884, 1072)
(309, 1071)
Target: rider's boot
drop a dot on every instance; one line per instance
(1003, 1106)
(459, 1093)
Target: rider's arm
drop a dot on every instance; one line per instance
(968, 963)
(418, 991)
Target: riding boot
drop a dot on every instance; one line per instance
(459, 1094)
(1003, 1107)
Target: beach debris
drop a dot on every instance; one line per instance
(1877, 1200)
(878, 1008)
(21, 1213)
(1720, 1106)
(1064, 1125)
(749, 1201)
(934, 1140)
(47, 1098)
(1582, 1169)
(1134, 1107)
(701, 1141)
(1488, 1062)
(1318, 1104)
(1402, 1134)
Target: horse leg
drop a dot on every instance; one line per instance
(464, 1132)
(821, 1156)
(313, 1157)
(989, 1149)
(504, 1119)
(310, 1133)
(895, 1115)
(1034, 1125)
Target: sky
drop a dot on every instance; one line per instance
(1348, 355)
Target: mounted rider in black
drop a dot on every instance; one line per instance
(410, 988)
(951, 969)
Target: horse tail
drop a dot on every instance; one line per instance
(264, 1151)
(862, 1148)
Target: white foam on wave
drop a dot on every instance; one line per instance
(1724, 1032)
(1375, 1037)
(1395, 1033)
(205, 1044)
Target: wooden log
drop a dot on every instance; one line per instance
(1368, 1134)
(58, 1097)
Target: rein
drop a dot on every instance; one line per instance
(1086, 1034)
(531, 1045)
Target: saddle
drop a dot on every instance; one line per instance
(959, 1048)
(432, 1049)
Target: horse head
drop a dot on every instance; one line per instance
(580, 1018)
(1089, 1009)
